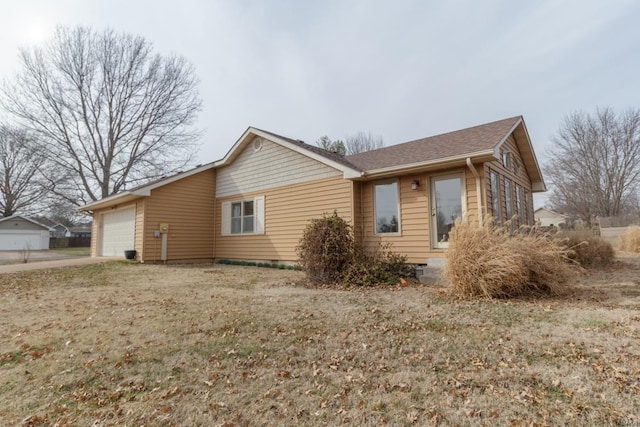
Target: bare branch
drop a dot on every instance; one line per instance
(106, 109)
(361, 142)
(595, 163)
(21, 164)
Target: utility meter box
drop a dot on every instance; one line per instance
(164, 227)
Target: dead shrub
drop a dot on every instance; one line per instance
(329, 254)
(630, 240)
(380, 266)
(326, 249)
(585, 248)
(488, 261)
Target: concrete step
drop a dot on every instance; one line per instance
(428, 274)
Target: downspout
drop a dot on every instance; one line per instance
(478, 189)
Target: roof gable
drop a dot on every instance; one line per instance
(326, 157)
(24, 218)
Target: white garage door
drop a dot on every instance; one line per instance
(118, 228)
(17, 240)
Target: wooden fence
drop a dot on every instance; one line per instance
(69, 242)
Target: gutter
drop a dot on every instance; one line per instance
(478, 190)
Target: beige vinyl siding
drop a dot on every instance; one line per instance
(288, 210)
(24, 225)
(520, 178)
(187, 205)
(358, 225)
(271, 167)
(415, 219)
(471, 193)
(413, 240)
(96, 228)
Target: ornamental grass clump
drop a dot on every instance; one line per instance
(630, 240)
(586, 248)
(488, 261)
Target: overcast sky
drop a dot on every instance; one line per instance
(400, 69)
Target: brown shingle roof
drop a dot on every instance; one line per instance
(453, 144)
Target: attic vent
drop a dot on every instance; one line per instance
(257, 144)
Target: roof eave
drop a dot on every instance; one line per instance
(538, 187)
(459, 160)
(116, 199)
(143, 191)
(537, 180)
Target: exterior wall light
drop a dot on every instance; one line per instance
(415, 184)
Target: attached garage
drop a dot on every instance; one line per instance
(19, 233)
(117, 233)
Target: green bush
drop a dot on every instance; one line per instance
(585, 248)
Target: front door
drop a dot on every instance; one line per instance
(446, 207)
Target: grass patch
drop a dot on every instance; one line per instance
(174, 345)
(72, 251)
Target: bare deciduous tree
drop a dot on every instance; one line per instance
(361, 142)
(595, 163)
(20, 167)
(109, 112)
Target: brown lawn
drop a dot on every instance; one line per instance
(133, 344)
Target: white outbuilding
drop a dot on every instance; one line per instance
(21, 233)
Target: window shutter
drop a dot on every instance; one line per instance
(258, 215)
(226, 218)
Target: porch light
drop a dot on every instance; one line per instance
(415, 184)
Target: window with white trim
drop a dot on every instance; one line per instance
(506, 159)
(386, 207)
(243, 216)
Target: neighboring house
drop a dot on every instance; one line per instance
(60, 230)
(255, 202)
(80, 232)
(548, 218)
(19, 233)
(57, 230)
